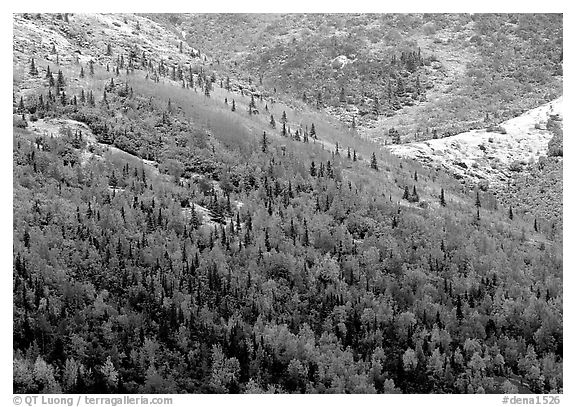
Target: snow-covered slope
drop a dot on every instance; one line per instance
(85, 37)
(490, 156)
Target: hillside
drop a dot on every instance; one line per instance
(181, 228)
(417, 73)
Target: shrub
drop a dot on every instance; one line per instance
(496, 129)
(19, 122)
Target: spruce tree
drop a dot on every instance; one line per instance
(373, 162)
(442, 200)
(233, 105)
(414, 197)
(60, 83)
(406, 195)
(313, 132)
(264, 143)
(33, 69)
(313, 169)
(272, 121)
(510, 213)
(251, 105)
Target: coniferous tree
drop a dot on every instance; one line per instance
(272, 121)
(510, 213)
(233, 105)
(251, 105)
(60, 82)
(313, 169)
(33, 70)
(373, 162)
(406, 195)
(477, 204)
(264, 143)
(442, 200)
(313, 132)
(459, 313)
(414, 197)
(267, 241)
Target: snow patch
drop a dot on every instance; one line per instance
(482, 155)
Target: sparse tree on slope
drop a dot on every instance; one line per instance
(373, 162)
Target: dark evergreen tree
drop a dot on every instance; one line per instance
(373, 162)
(313, 169)
(406, 195)
(313, 132)
(264, 143)
(33, 70)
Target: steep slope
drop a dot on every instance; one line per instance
(358, 66)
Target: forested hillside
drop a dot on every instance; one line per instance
(423, 75)
(178, 231)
